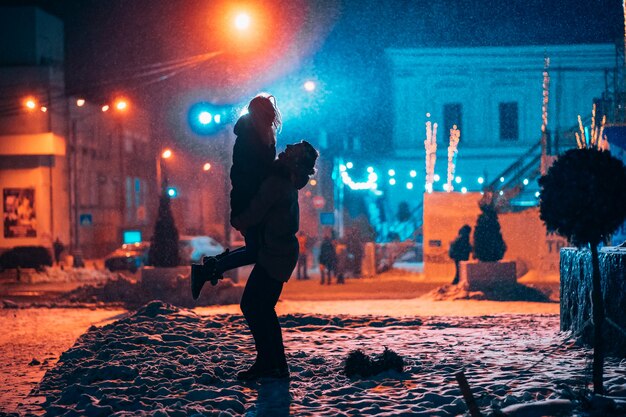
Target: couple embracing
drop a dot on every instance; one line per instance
(264, 208)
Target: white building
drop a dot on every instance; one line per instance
(494, 95)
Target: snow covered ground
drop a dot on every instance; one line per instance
(168, 361)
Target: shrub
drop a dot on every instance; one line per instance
(583, 196)
(488, 243)
(164, 243)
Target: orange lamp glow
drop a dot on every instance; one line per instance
(121, 105)
(30, 103)
(43, 109)
(242, 21)
(80, 102)
(206, 166)
(167, 154)
(105, 107)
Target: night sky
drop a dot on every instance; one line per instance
(111, 44)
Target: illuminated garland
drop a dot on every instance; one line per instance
(455, 136)
(596, 139)
(370, 184)
(430, 144)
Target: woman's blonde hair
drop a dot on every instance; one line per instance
(266, 117)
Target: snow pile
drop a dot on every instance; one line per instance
(517, 292)
(165, 361)
(133, 293)
(56, 274)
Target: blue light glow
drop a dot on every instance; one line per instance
(413, 173)
(172, 192)
(481, 180)
(409, 185)
(525, 181)
(349, 165)
(392, 181)
(391, 172)
(457, 180)
(205, 117)
(370, 169)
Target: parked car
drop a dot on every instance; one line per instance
(26, 257)
(193, 248)
(130, 257)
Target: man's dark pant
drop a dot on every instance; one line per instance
(257, 304)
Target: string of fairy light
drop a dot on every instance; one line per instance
(595, 138)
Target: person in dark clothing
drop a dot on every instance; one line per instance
(58, 247)
(354, 247)
(460, 249)
(274, 213)
(301, 268)
(327, 258)
(253, 154)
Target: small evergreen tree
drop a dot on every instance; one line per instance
(488, 243)
(164, 243)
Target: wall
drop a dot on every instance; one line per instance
(51, 205)
(528, 243)
(480, 78)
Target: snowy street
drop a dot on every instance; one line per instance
(178, 363)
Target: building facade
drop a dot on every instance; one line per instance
(494, 96)
(68, 169)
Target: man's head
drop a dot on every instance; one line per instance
(300, 159)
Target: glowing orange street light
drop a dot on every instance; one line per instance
(43, 109)
(121, 105)
(80, 102)
(167, 154)
(242, 21)
(105, 108)
(30, 103)
(206, 167)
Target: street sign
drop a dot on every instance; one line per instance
(86, 219)
(327, 219)
(319, 202)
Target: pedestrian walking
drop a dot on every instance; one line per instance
(327, 258)
(301, 268)
(460, 249)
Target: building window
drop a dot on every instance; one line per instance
(509, 121)
(452, 115)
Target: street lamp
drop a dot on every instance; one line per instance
(309, 86)
(242, 21)
(161, 172)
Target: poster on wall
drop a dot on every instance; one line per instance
(20, 218)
